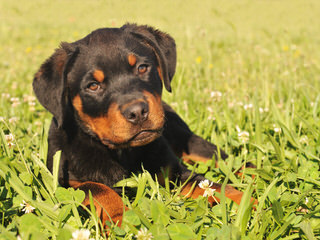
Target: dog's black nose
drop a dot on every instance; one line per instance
(136, 113)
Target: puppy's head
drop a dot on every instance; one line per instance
(111, 81)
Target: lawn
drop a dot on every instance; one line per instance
(248, 80)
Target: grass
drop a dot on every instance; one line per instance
(260, 55)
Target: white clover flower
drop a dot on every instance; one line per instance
(206, 186)
(243, 135)
(15, 104)
(248, 106)
(209, 192)
(262, 110)
(211, 118)
(216, 96)
(27, 208)
(82, 234)
(28, 98)
(276, 129)
(304, 140)
(143, 234)
(5, 95)
(13, 119)
(1, 119)
(31, 104)
(14, 101)
(10, 139)
(210, 109)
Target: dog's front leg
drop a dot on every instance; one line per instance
(108, 203)
(184, 143)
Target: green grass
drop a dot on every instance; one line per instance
(261, 55)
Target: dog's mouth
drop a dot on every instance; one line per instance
(141, 138)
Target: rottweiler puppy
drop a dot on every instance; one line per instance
(104, 92)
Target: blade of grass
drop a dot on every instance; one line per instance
(142, 181)
(244, 209)
(223, 203)
(277, 148)
(43, 151)
(258, 131)
(263, 198)
(226, 170)
(276, 234)
(55, 169)
(143, 219)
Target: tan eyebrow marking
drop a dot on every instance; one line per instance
(132, 59)
(98, 75)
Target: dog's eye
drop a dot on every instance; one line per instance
(93, 86)
(142, 68)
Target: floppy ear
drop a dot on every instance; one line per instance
(163, 46)
(50, 81)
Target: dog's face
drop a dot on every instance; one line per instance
(111, 81)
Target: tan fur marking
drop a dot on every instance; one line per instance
(192, 158)
(98, 75)
(156, 114)
(132, 59)
(160, 73)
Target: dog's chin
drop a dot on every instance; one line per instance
(140, 139)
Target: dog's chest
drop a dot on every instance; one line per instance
(101, 165)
